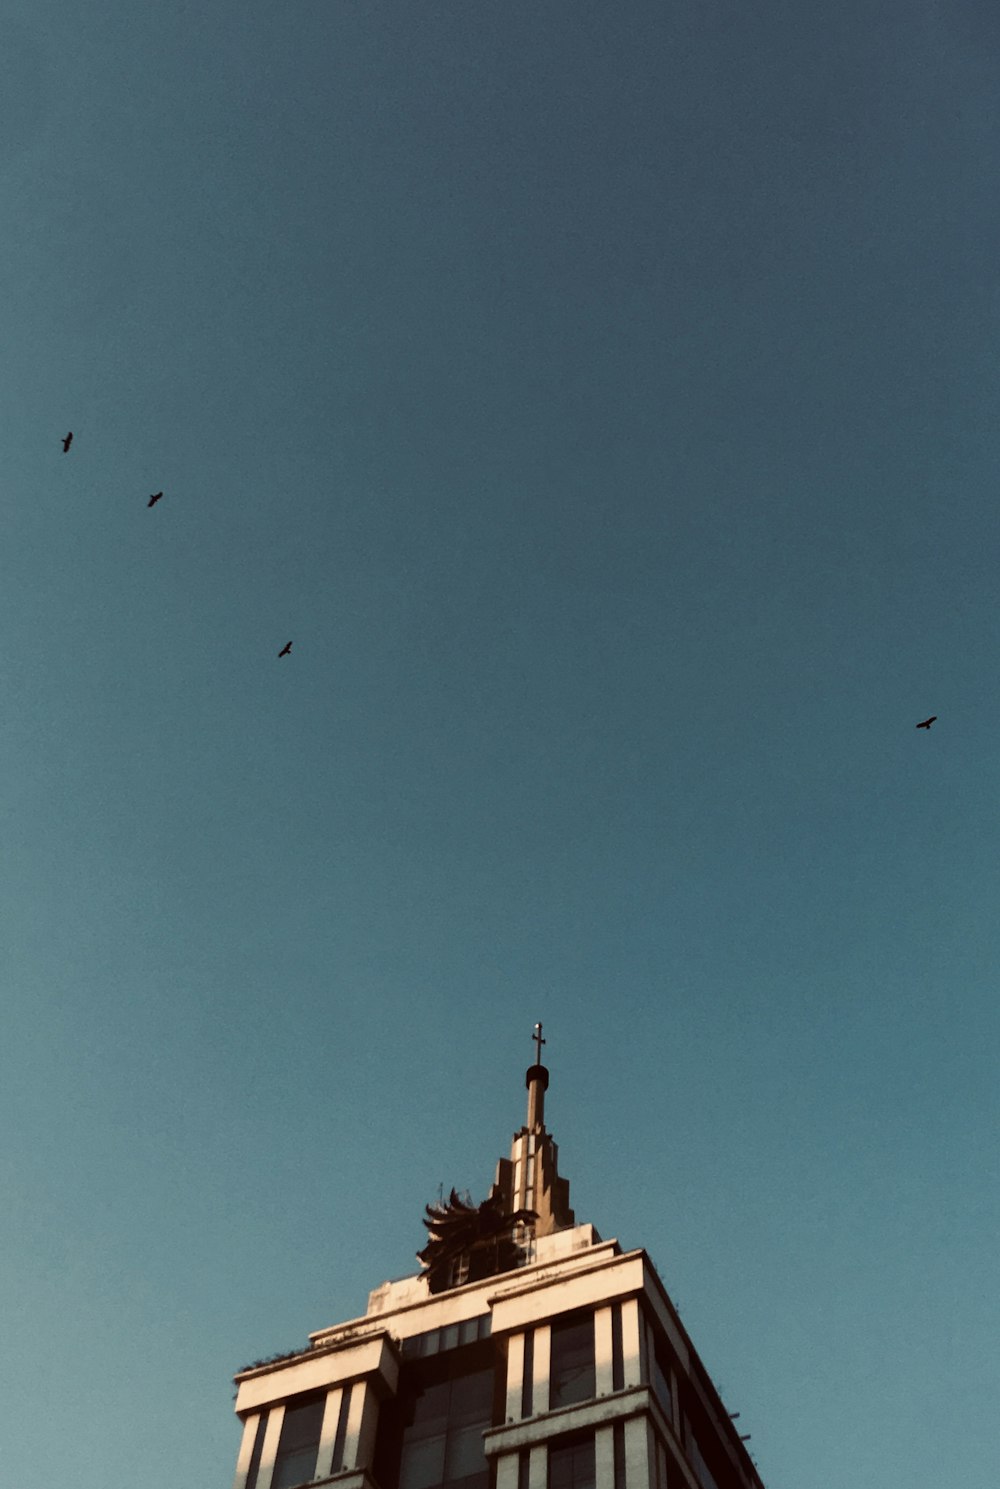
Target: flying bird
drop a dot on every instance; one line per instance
(154, 499)
(927, 722)
(67, 442)
(285, 650)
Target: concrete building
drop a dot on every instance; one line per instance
(527, 1354)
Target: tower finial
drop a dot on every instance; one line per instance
(539, 1041)
(536, 1080)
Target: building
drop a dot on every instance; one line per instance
(527, 1354)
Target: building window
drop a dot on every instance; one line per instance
(458, 1272)
(445, 1410)
(572, 1463)
(340, 1440)
(452, 1336)
(702, 1471)
(618, 1439)
(617, 1349)
(661, 1383)
(663, 1475)
(258, 1448)
(527, 1379)
(572, 1375)
(298, 1445)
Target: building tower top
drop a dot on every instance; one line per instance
(528, 1354)
(528, 1199)
(529, 1179)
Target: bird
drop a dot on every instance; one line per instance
(67, 442)
(154, 498)
(927, 722)
(285, 650)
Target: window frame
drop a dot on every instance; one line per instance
(570, 1381)
(315, 1403)
(573, 1442)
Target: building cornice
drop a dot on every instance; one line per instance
(315, 1369)
(485, 1291)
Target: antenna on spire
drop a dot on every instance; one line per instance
(539, 1041)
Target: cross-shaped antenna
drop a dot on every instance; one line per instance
(539, 1041)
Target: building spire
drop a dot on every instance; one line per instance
(529, 1179)
(528, 1200)
(537, 1082)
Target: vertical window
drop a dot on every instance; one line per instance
(468, 1329)
(617, 1349)
(702, 1471)
(430, 1433)
(258, 1448)
(527, 1378)
(340, 1441)
(443, 1442)
(662, 1473)
(523, 1469)
(422, 1461)
(298, 1445)
(572, 1463)
(619, 1444)
(470, 1411)
(660, 1371)
(572, 1374)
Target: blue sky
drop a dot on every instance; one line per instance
(604, 404)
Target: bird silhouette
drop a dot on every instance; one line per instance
(927, 722)
(67, 442)
(154, 499)
(285, 650)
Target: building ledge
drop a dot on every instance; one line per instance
(633, 1401)
(348, 1478)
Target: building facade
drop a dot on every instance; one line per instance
(527, 1354)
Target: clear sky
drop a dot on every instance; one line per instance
(603, 400)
